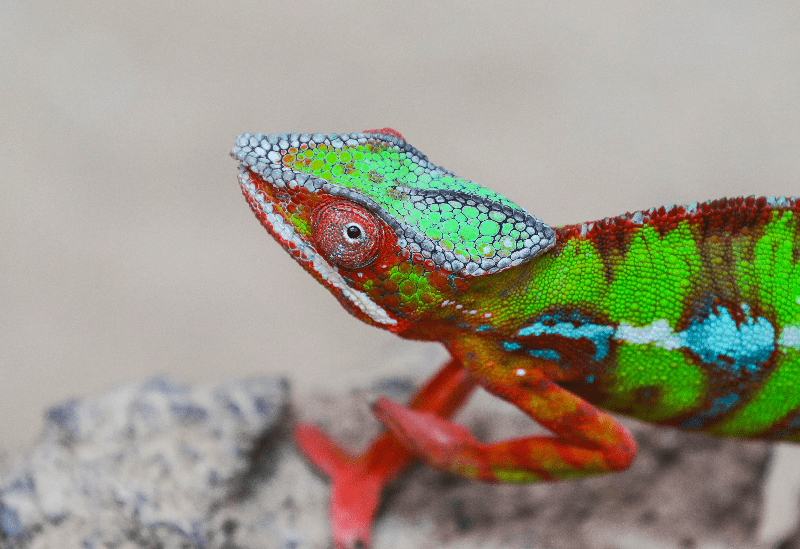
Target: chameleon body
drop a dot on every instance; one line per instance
(686, 316)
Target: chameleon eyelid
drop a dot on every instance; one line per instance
(331, 223)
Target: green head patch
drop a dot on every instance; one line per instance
(443, 221)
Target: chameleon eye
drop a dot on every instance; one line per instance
(354, 231)
(347, 234)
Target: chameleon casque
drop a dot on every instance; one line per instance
(686, 316)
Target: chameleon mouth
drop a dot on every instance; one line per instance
(303, 252)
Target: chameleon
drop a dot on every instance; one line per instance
(686, 316)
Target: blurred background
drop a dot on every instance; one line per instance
(126, 248)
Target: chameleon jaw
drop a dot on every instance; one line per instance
(305, 254)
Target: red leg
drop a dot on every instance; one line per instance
(357, 481)
(587, 441)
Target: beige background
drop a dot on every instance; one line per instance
(126, 248)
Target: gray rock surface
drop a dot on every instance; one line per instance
(147, 461)
(159, 464)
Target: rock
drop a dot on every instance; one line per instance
(147, 460)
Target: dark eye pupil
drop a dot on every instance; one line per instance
(353, 231)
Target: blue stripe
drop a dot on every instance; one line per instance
(749, 345)
(719, 408)
(598, 334)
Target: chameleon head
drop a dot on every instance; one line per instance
(385, 230)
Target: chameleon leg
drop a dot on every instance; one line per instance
(587, 441)
(357, 481)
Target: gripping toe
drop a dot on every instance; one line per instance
(320, 449)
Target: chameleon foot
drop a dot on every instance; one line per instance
(438, 441)
(356, 482)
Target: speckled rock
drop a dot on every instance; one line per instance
(148, 460)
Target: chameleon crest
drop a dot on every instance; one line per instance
(350, 207)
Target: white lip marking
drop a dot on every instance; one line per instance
(303, 252)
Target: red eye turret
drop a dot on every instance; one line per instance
(348, 235)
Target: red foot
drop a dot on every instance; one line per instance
(433, 439)
(356, 483)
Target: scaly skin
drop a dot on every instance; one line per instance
(686, 316)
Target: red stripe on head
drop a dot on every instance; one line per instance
(387, 131)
